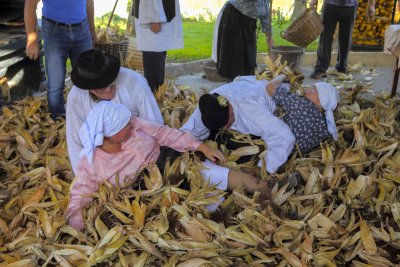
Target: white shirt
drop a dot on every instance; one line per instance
(132, 91)
(171, 34)
(253, 109)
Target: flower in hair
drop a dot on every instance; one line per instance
(222, 101)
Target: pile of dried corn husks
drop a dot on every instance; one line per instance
(346, 211)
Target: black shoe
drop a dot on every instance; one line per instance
(58, 117)
(292, 180)
(316, 75)
(344, 71)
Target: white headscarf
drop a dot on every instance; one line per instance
(105, 119)
(329, 97)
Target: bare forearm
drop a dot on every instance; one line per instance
(274, 84)
(30, 19)
(90, 14)
(371, 2)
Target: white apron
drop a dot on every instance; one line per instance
(171, 34)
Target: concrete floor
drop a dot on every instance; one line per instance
(381, 77)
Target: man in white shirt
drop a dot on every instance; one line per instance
(244, 106)
(100, 77)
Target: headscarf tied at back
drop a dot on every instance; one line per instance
(328, 97)
(105, 119)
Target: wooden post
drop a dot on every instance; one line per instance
(395, 79)
(112, 14)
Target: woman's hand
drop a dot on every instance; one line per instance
(155, 27)
(211, 154)
(371, 10)
(313, 4)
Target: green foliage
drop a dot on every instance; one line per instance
(205, 16)
(278, 17)
(198, 41)
(117, 22)
(129, 6)
(198, 36)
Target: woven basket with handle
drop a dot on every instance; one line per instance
(305, 29)
(134, 58)
(117, 49)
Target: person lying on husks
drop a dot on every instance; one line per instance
(310, 117)
(245, 106)
(115, 142)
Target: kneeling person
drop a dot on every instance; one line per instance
(116, 143)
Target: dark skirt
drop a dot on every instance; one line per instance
(307, 123)
(166, 154)
(236, 45)
(227, 139)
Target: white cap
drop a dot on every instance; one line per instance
(105, 119)
(328, 97)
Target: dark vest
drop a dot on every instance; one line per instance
(169, 8)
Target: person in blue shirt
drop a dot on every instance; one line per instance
(68, 30)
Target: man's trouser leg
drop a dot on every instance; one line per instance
(346, 24)
(330, 19)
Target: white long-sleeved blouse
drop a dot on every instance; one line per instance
(253, 109)
(132, 91)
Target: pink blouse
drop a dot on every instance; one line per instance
(142, 148)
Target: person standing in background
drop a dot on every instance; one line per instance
(333, 12)
(236, 49)
(158, 25)
(68, 29)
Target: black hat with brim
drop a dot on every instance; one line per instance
(213, 114)
(94, 70)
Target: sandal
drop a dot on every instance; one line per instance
(317, 75)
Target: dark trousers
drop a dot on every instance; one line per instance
(331, 16)
(154, 68)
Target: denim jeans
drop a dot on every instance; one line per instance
(61, 43)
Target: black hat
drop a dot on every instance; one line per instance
(94, 70)
(214, 111)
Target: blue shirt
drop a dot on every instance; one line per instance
(65, 11)
(342, 2)
(255, 9)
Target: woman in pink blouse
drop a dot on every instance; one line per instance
(117, 143)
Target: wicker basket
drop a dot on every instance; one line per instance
(305, 29)
(134, 58)
(291, 54)
(117, 49)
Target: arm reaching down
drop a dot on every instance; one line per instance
(81, 188)
(210, 153)
(177, 140)
(30, 19)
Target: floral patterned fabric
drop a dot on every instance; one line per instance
(307, 123)
(256, 9)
